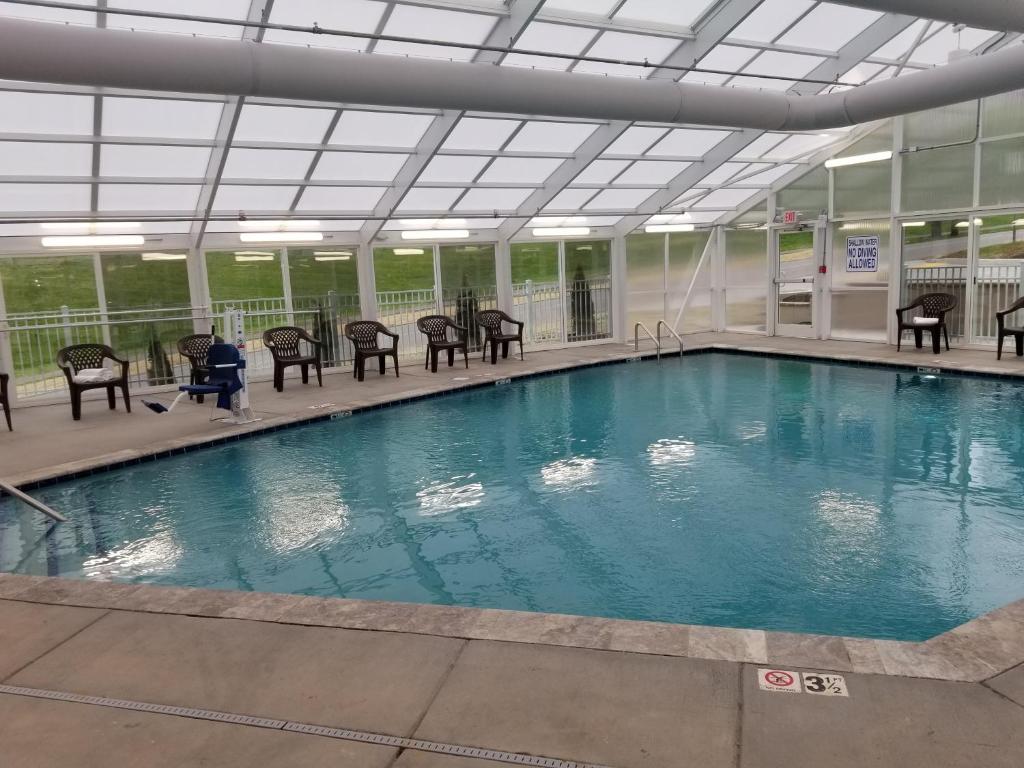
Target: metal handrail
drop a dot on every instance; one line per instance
(636, 338)
(671, 331)
(37, 505)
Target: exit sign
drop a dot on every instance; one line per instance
(790, 217)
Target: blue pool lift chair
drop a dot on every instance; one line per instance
(223, 363)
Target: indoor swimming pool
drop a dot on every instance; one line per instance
(717, 489)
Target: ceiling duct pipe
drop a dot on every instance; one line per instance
(998, 15)
(55, 53)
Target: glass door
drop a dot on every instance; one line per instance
(999, 274)
(795, 268)
(936, 259)
(405, 280)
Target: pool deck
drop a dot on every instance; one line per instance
(99, 674)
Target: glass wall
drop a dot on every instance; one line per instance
(999, 278)
(253, 281)
(685, 250)
(935, 261)
(746, 279)
(537, 291)
(860, 293)
(659, 269)
(469, 283)
(405, 283)
(808, 195)
(588, 289)
(645, 280)
(325, 296)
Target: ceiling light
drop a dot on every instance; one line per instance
(280, 224)
(255, 253)
(337, 257)
(965, 224)
(332, 253)
(164, 257)
(434, 234)
(280, 237)
(409, 251)
(1017, 223)
(873, 157)
(90, 226)
(561, 231)
(84, 241)
(655, 228)
(911, 224)
(252, 257)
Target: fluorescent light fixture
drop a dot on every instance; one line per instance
(964, 224)
(85, 241)
(1017, 223)
(434, 234)
(331, 258)
(255, 253)
(164, 257)
(90, 226)
(332, 253)
(253, 258)
(409, 251)
(561, 231)
(873, 157)
(655, 228)
(280, 237)
(280, 224)
(914, 224)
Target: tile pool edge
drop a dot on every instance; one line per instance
(972, 652)
(45, 476)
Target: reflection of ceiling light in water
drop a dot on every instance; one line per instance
(753, 430)
(569, 473)
(671, 452)
(157, 554)
(439, 498)
(306, 520)
(847, 513)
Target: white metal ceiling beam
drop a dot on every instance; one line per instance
(868, 41)
(505, 32)
(1001, 15)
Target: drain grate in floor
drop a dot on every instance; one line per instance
(346, 734)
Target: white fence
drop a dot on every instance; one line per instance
(996, 285)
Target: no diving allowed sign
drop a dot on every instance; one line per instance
(816, 683)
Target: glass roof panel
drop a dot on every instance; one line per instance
(160, 118)
(799, 144)
(786, 64)
(236, 197)
(358, 166)
(724, 198)
(497, 199)
(429, 199)
(261, 122)
(829, 27)
(570, 199)
(900, 44)
(680, 13)
(936, 49)
(635, 140)
(22, 112)
(147, 160)
(687, 142)
(624, 45)
(554, 38)
(590, 7)
(435, 24)
(454, 168)
(770, 19)
(15, 198)
(36, 158)
(480, 133)
(862, 72)
(723, 173)
(221, 9)
(148, 197)
(380, 129)
(41, 13)
(538, 136)
(350, 15)
(340, 198)
(651, 172)
(267, 164)
(759, 146)
(619, 199)
(520, 170)
(600, 172)
(768, 177)
(729, 58)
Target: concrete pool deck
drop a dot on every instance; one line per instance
(439, 681)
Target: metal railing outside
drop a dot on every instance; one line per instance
(996, 285)
(539, 306)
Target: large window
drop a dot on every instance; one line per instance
(860, 299)
(588, 282)
(537, 291)
(935, 261)
(325, 296)
(746, 279)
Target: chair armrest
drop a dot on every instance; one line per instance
(394, 336)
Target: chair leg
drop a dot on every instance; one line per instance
(918, 338)
(110, 397)
(355, 366)
(1019, 338)
(504, 350)
(426, 361)
(433, 359)
(305, 373)
(937, 340)
(521, 355)
(127, 400)
(945, 332)
(7, 415)
(76, 404)
(380, 364)
(999, 346)
(361, 368)
(278, 377)
(494, 352)
(465, 355)
(899, 339)
(394, 355)
(319, 373)
(451, 356)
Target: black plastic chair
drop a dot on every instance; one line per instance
(285, 343)
(493, 322)
(364, 334)
(435, 328)
(79, 357)
(4, 378)
(931, 317)
(1004, 330)
(196, 348)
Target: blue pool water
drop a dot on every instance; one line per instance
(717, 489)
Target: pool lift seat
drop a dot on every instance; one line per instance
(223, 363)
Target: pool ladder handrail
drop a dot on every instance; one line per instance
(636, 338)
(37, 505)
(672, 333)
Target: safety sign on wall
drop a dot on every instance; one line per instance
(862, 253)
(816, 683)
